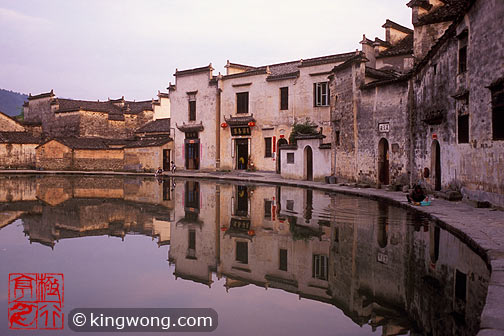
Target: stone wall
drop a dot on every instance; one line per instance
(442, 93)
(53, 156)
(98, 159)
(9, 125)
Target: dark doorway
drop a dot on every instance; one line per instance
(279, 155)
(166, 159)
(308, 154)
(241, 153)
(436, 164)
(383, 161)
(192, 151)
(242, 201)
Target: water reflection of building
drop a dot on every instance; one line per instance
(54, 208)
(377, 263)
(194, 243)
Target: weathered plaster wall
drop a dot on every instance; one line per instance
(479, 164)
(145, 158)
(383, 104)
(298, 169)
(98, 159)
(206, 112)
(17, 155)
(271, 121)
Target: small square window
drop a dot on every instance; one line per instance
(498, 111)
(290, 157)
(290, 205)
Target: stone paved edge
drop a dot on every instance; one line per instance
(487, 241)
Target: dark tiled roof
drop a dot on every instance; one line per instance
(290, 69)
(309, 136)
(207, 69)
(358, 57)
(253, 72)
(239, 121)
(289, 75)
(379, 74)
(396, 26)
(156, 126)
(404, 47)
(239, 66)
(139, 107)
(42, 95)
(18, 138)
(83, 143)
(448, 12)
(420, 3)
(116, 112)
(149, 142)
(380, 42)
(31, 123)
(386, 81)
(191, 127)
(326, 59)
(11, 118)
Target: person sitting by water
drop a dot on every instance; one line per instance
(159, 171)
(417, 195)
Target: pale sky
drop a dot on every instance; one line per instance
(95, 49)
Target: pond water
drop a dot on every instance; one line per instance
(270, 260)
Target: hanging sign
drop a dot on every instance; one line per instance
(236, 131)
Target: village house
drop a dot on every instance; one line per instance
(113, 119)
(437, 120)
(260, 105)
(194, 104)
(17, 146)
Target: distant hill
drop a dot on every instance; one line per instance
(11, 103)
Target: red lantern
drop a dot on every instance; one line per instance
(223, 228)
(434, 136)
(224, 125)
(251, 124)
(282, 136)
(251, 232)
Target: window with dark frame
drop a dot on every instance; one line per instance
(267, 208)
(290, 157)
(319, 267)
(282, 265)
(284, 98)
(267, 148)
(462, 55)
(463, 128)
(337, 138)
(242, 252)
(460, 285)
(498, 110)
(321, 94)
(242, 102)
(192, 110)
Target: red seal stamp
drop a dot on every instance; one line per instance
(36, 301)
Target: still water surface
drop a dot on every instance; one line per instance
(270, 260)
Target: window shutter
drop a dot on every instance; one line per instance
(314, 94)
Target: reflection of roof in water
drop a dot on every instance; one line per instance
(194, 278)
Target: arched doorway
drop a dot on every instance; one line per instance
(436, 164)
(281, 141)
(308, 163)
(383, 161)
